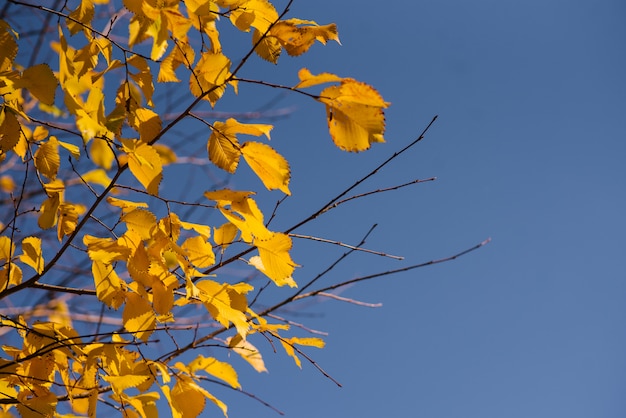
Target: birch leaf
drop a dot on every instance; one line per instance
(268, 165)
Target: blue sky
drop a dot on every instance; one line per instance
(528, 150)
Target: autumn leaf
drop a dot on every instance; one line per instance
(145, 164)
(209, 75)
(199, 252)
(248, 352)
(274, 259)
(307, 79)
(216, 368)
(110, 289)
(138, 316)
(268, 165)
(40, 81)
(288, 345)
(223, 145)
(68, 218)
(47, 159)
(10, 130)
(355, 114)
(225, 303)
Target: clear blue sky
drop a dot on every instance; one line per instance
(529, 149)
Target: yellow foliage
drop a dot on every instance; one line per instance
(146, 263)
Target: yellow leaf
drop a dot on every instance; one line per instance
(73, 149)
(68, 218)
(8, 47)
(125, 205)
(97, 176)
(40, 81)
(355, 115)
(10, 276)
(110, 289)
(247, 217)
(7, 248)
(288, 344)
(268, 48)
(144, 77)
(268, 165)
(180, 54)
(101, 153)
(146, 122)
(41, 405)
(227, 196)
(223, 149)
(225, 304)
(223, 146)
(145, 164)
(7, 184)
(123, 382)
(105, 250)
(248, 352)
(199, 252)
(167, 155)
(203, 230)
(209, 75)
(31, 248)
(275, 261)
(47, 159)
(224, 235)
(141, 221)
(297, 39)
(307, 79)
(187, 399)
(163, 294)
(138, 316)
(48, 213)
(259, 14)
(214, 367)
(10, 130)
(83, 13)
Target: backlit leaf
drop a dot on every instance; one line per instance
(110, 289)
(355, 115)
(68, 218)
(248, 352)
(268, 165)
(97, 176)
(275, 261)
(199, 252)
(8, 47)
(10, 130)
(31, 253)
(307, 79)
(209, 75)
(216, 368)
(145, 164)
(138, 316)
(47, 159)
(288, 344)
(146, 122)
(40, 81)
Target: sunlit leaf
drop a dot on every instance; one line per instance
(355, 115)
(47, 159)
(110, 289)
(248, 352)
(274, 259)
(145, 164)
(138, 316)
(40, 81)
(216, 368)
(268, 165)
